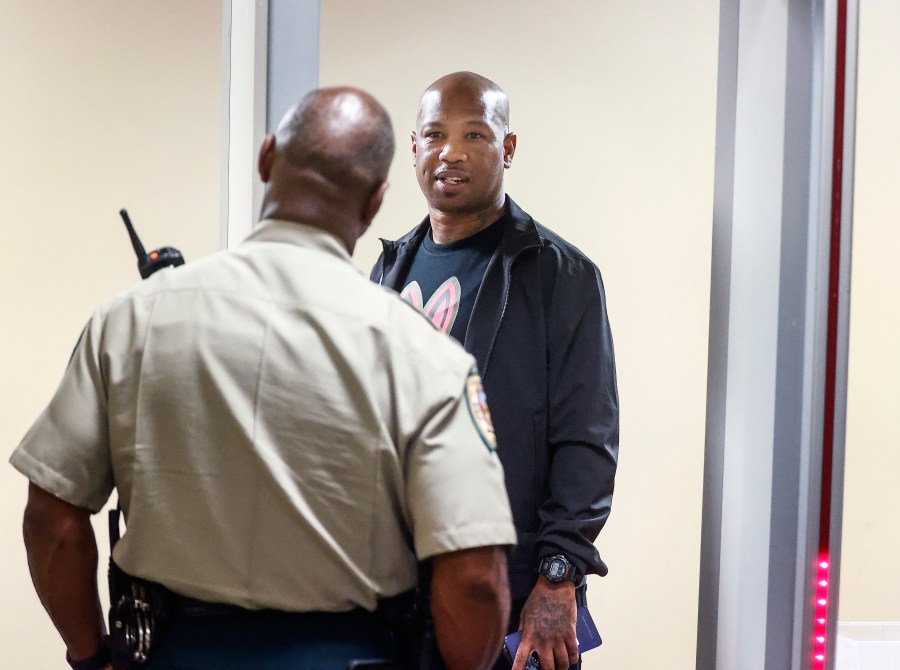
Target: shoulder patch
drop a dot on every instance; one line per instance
(478, 409)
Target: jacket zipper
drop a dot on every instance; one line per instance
(487, 360)
(507, 273)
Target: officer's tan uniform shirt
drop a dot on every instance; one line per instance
(282, 433)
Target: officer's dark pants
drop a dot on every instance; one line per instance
(270, 640)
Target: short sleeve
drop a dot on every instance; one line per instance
(66, 451)
(455, 488)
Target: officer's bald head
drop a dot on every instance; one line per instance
(327, 164)
(342, 134)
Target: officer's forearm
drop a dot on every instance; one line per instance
(470, 604)
(62, 558)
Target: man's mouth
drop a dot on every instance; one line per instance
(451, 181)
(452, 177)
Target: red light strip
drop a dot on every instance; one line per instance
(820, 627)
(823, 563)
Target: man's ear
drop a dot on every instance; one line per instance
(374, 202)
(266, 156)
(412, 136)
(509, 149)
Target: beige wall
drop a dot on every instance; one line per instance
(105, 104)
(870, 580)
(109, 104)
(614, 105)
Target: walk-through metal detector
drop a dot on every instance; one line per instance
(779, 316)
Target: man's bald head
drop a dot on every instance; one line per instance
(461, 148)
(342, 134)
(468, 85)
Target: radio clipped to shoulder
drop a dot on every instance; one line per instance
(157, 259)
(138, 608)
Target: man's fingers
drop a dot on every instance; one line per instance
(521, 657)
(572, 648)
(546, 656)
(556, 654)
(560, 658)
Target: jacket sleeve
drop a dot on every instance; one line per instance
(583, 417)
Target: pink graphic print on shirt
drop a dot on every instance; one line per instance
(442, 307)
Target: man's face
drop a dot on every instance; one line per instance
(461, 147)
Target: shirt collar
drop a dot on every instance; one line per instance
(300, 234)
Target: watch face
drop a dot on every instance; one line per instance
(556, 570)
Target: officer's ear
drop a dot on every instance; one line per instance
(266, 156)
(374, 202)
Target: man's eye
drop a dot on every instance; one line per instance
(433, 135)
(474, 135)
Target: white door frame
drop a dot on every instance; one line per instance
(270, 59)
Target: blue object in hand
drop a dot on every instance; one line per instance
(585, 632)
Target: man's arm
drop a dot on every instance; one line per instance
(583, 420)
(470, 605)
(583, 437)
(62, 558)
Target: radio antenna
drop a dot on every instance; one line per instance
(135, 240)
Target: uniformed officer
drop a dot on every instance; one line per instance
(286, 439)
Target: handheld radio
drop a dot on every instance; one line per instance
(157, 259)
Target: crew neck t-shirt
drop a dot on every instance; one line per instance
(444, 279)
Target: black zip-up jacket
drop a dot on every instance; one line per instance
(540, 334)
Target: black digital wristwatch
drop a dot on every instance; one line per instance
(558, 569)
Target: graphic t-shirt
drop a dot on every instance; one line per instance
(443, 279)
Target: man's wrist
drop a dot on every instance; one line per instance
(558, 568)
(98, 661)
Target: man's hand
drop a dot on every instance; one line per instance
(548, 626)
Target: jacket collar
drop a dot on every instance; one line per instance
(299, 234)
(519, 234)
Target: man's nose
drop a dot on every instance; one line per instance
(452, 152)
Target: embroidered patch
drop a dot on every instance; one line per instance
(481, 415)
